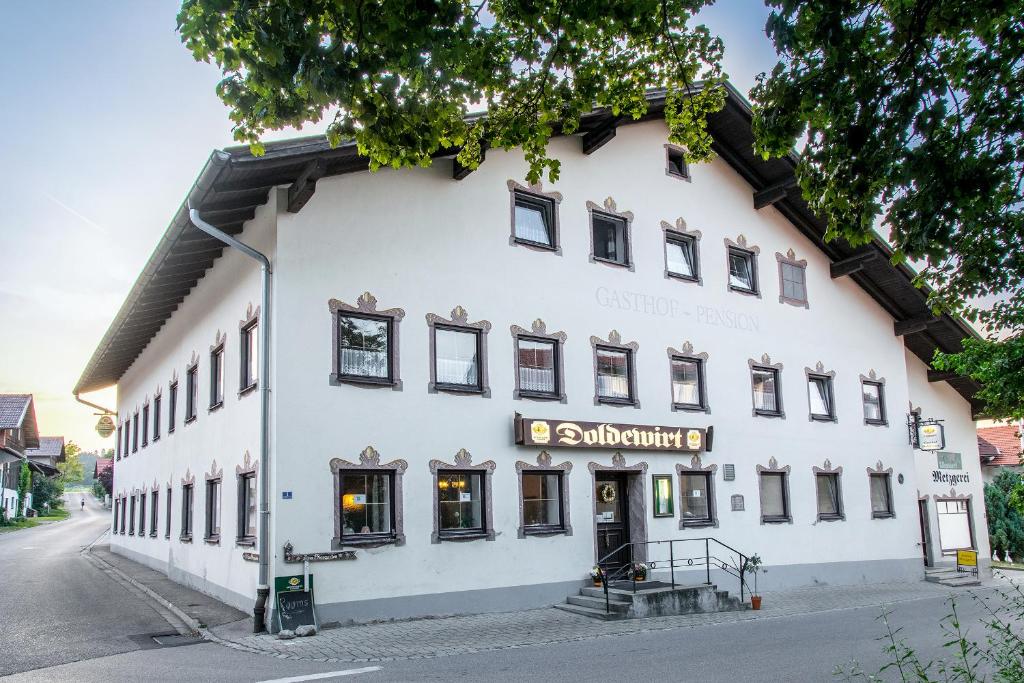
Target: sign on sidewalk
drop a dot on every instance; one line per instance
(295, 605)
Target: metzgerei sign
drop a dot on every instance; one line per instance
(579, 434)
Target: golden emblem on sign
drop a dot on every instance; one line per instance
(541, 432)
(693, 439)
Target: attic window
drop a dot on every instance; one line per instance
(675, 163)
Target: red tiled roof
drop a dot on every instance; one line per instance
(1000, 446)
(102, 465)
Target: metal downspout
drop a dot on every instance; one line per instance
(263, 589)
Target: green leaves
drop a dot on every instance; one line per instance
(403, 76)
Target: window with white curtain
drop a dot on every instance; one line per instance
(613, 375)
(820, 397)
(457, 357)
(536, 360)
(687, 383)
(742, 276)
(534, 220)
(681, 256)
(874, 402)
(364, 347)
(766, 391)
(881, 495)
(829, 502)
(774, 497)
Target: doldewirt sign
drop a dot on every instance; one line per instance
(579, 434)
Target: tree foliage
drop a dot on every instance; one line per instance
(24, 487)
(47, 491)
(1004, 504)
(401, 77)
(71, 469)
(912, 114)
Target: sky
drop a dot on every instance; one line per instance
(106, 120)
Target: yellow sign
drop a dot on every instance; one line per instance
(541, 432)
(967, 558)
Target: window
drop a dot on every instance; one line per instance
(881, 495)
(774, 497)
(131, 518)
(954, 518)
(742, 271)
(821, 398)
(367, 512)
(457, 359)
(792, 280)
(154, 508)
(533, 220)
(145, 426)
(610, 238)
(135, 433)
(191, 393)
(874, 402)
(696, 499)
(217, 377)
(250, 356)
(156, 417)
(127, 435)
(688, 383)
(117, 443)
(212, 533)
(614, 375)
(187, 495)
(542, 502)
(829, 501)
(767, 398)
(117, 511)
(172, 406)
(460, 503)
(142, 514)
(681, 257)
(537, 364)
(124, 512)
(247, 507)
(364, 348)
(675, 162)
(167, 515)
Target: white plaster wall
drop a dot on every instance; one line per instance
(940, 401)
(418, 240)
(218, 302)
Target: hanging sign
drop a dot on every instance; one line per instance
(105, 426)
(931, 436)
(580, 434)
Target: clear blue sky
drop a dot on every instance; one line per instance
(106, 120)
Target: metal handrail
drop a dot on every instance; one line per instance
(737, 569)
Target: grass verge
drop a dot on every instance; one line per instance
(29, 522)
(1016, 566)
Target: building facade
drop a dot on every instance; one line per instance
(482, 387)
(1000, 447)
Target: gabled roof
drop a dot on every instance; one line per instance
(49, 447)
(17, 411)
(102, 465)
(1000, 446)
(233, 183)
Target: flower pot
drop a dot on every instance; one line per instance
(640, 577)
(597, 583)
(755, 601)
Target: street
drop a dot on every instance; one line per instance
(67, 620)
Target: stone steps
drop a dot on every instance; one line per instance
(949, 576)
(650, 602)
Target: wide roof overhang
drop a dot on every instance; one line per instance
(233, 184)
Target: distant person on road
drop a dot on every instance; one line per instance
(83, 503)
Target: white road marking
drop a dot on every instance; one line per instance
(328, 674)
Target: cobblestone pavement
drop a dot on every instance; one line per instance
(424, 638)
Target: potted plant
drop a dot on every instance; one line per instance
(639, 571)
(753, 566)
(597, 575)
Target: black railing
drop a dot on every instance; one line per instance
(734, 564)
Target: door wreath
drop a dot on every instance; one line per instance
(606, 492)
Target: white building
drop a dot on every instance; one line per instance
(416, 312)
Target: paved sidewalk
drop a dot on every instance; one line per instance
(424, 638)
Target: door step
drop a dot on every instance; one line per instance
(590, 612)
(650, 601)
(947, 576)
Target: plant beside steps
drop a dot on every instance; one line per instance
(949, 576)
(650, 602)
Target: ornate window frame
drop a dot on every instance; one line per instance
(710, 470)
(773, 468)
(535, 192)
(539, 332)
(837, 472)
(369, 460)
(219, 347)
(169, 508)
(953, 495)
(135, 430)
(213, 476)
(158, 404)
(754, 253)
(766, 364)
(637, 489)
(790, 259)
(246, 326)
(189, 480)
(172, 401)
(145, 422)
(677, 232)
(671, 149)
(459, 322)
(878, 471)
(154, 508)
(819, 372)
(609, 209)
(366, 307)
(686, 352)
(873, 378)
(248, 469)
(614, 343)
(192, 392)
(544, 465)
(464, 463)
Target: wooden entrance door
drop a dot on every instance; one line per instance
(922, 509)
(611, 491)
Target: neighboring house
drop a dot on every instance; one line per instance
(481, 386)
(46, 457)
(18, 434)
(1000, 448)
(102, 466)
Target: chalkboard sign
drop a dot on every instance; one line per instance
(295, 609)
